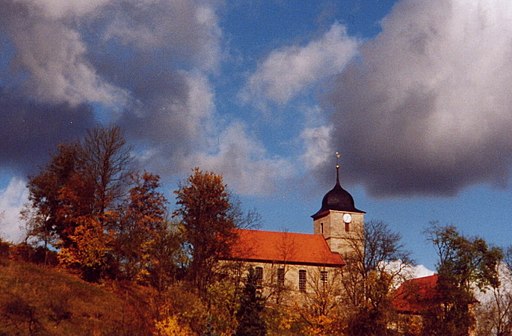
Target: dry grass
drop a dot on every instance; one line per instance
(39, 300)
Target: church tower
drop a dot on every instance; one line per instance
(338, 220)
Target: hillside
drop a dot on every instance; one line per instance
(38, 300)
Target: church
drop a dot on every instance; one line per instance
(301, 262)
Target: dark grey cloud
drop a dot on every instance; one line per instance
(30, 131)
(427, 107)
(141, 64)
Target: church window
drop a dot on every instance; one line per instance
(302, 280)
(323, 277)
(259, 275)
(280, 277)
(347, 227)
(322, 227)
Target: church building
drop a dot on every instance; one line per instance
(299, 262)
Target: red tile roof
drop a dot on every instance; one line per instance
(284, 247)
(416, 295)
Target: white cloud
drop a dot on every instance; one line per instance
(57, 9)
(487, 298)
(200, 104)
(429, 95)
(317, 143)
(406, 271)
(316, 138)
(54, 56)
(287, 71)
(243, 162)
(419, 271)
(12, 199)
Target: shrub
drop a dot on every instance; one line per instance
(21, 315)
(4, 253)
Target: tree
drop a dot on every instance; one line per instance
(104, 160)
(90, 200)
(378, 260)
(204, 210)
(171, 327)
(321, 312)
(145, 244)
(464, 264)
(77, 195)
(42, 214)
(494, 312)
(249, 315)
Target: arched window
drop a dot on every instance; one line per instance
(258, 271)
(280, 277)
(302, 280)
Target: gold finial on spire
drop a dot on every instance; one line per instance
(338, 155)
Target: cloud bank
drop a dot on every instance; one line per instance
(422, 108)
(30, 131)
(426, 108)
(144, 65)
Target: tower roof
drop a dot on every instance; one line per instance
(337, 198)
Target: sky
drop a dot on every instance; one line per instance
(415, 95)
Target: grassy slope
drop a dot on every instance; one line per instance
(37, 300)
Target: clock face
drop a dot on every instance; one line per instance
(347, 218)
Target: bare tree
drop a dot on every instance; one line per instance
(322, 312)
(378, 260)
(104, 159)
(494, 312)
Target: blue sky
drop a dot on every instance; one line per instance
(414, 94)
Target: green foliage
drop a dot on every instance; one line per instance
(223, 299)
(464, 263)
(249, 315)
(369, 322)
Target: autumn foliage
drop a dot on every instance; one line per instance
(204, 209)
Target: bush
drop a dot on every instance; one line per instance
(60, 309)
(179, 302)
(171, 327)
(36, 255)
(20, 314)
(4, 249)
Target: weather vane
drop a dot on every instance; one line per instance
(338, 155)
